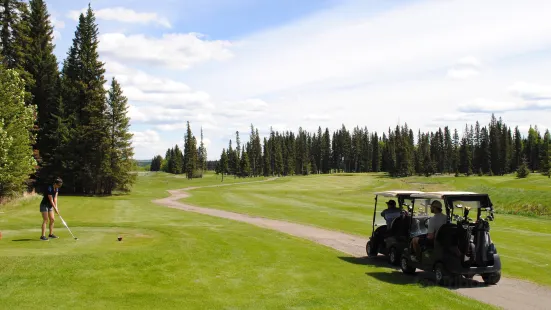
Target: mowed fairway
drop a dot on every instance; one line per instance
(171, 259)
(345, 203)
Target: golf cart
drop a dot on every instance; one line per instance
(463, 248)
(389, 236)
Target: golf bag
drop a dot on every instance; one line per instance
(483, 242)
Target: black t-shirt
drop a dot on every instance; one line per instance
(49, 191)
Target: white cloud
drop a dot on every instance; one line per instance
(525, 127)
(317, 117)
(469, 61)
(455, 117)
(372, 69)
(205, 120)
(170, 119)
(397, 44)
(463, 73)
(56, 24)
(351, 65)
(149, 143)
(529, 91)
(139, 86)
(173, 51)
(465, 68)
(145, 138)
(482, 105)
(488, 106)
(124, 15)
(144, 81)
(247, 109)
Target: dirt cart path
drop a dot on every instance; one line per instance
(507, 294)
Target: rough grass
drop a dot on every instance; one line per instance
(345, 203)
(171, 259)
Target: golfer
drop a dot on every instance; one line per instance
(47, 207)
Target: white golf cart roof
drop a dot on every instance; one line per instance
(441, 195)
(396, 193)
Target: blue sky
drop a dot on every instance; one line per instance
(223, 64)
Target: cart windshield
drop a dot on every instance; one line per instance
(461, 206)
(421, 216)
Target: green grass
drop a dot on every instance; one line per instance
(170, 259)
(345, 203)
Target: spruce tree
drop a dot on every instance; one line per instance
(189, 162)
(85, 101)
(202, 155)
(257, 149)
(42, 65)
(455, 154)
(15, 40)
(245, 164)
(523, 170)
(194, 159)
(517, 149)
(237, 151)
(178, 161)
(223, 163)
(465, 156)
(56, 162)
(9, 17)
(278, 164)
(448, 151)
(156, 163)
(485, 153)
(231, 158)
(546, 154)
(326, 152)
(376, 153)
(266, 159)
(166, 162)
(495, 145)
(120, 149)
(291, 165)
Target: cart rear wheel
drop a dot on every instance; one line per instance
(441, 274)
(491, 278)
(393, 257)
(370, 250)
(406, 268)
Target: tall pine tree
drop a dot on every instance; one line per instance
(120, 151)
(85, 101)
(15, 41)
(42, 65)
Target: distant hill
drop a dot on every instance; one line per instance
(143, 162)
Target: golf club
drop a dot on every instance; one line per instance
(67, 227)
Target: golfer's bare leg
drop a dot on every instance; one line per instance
(44, 222)
(52, 220)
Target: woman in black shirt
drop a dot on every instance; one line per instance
(47, 207)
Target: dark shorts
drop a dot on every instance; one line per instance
(46, 207)
(425, 242)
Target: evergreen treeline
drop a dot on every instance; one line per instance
(192, 161)
(80, 131)
(495, 149)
